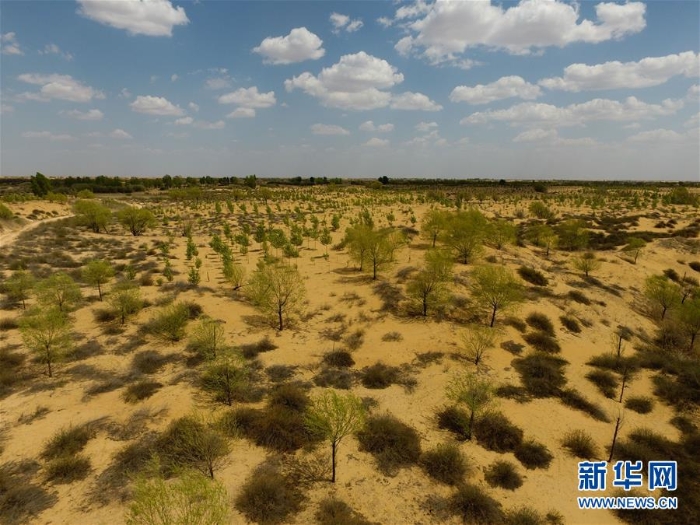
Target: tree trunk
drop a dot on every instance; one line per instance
(471, 423)
(279, 316)
(334, 446)
(425, 306)
(99, 290)
(614, 440)
(493, 316)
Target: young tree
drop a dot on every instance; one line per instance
(335, 416)
(663, 293)
(225, 375)
(573, 235)
(381, 245)
(497, 287)
(234, 274)
(433, 224)
(190, 499)
(19, 287)
(98, 273)
(357, 240)
(689, 320)
(326, 238)
(429, 286)
(477, 341)
(501, 233)
(586, 263)
(47, 333)
(59, 290)
(136, 220)
(465, 234)
(473, 391)
(277, 289)
(634, 247)
(93, 215)
(208, 337)
(125, 299)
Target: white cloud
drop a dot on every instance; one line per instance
(693, 122)
(218, 82)
(299, 45)
(384, 21)
(650, 71)
(6, 108)
(355, 82)
(328, 129)
(46, 135)
(657, 135)
(693, 92)
(537, 114)
(120, 134)
(249, 98)
(202, 124)
(194, 107)
(341, 22)
(9, 44)
(242, 113)
(424, 127)
(551, 137)
(173, 77)
(414, 101)
(376, 143)
(138, 17)
(153, 79)
(53, 49)
(155, 106)
(443, 29)
(369, 126)
(184, 121)
(93, 114)
(504, 87)
(62, 87)
(125, 93)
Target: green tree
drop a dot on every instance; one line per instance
(501, 233)
(474, 391)
(40, 184)
(689, 320)
(59, 290)
(125, 299)
(465, 234)
(19, 287)
(434, 223)
(477, 341)
(662, 293)
(586, 263)
(98, 273)
(497, 287)
(573, 235)
(47, 333)
(136, 220)
(634, 247)
(208, 337)
(225, 376)
(93, 215)
(335, 416)
(429, 286)
(326, 238)
(277, 289)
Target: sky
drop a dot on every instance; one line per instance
(536, 89)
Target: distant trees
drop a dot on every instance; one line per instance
(46, 332)
(662, 293)
(98, 273)
(497, 287)
(93, 215)
(429, 286)
(59, 290)
(136, 220)
(278, 290)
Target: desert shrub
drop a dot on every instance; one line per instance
(494, 431)
(473, 505)
(252, 350)
(572, 398)
(68, 441)
(640, 404)
(541, 374)
(579, 297)
(503, 474)
(334, 377)
(455, 420)
(268, 498)
(392, 336)
(5, 212)
(148, 362)
(645, 445)
(542, 342)
(289, 396)
(380, 376)
(533, 455)
(393, 443)
(68, 468)
(530, 516)
(280, 373)
(354, 340)
(424, 359)
(695, 265)
(169, 324)
(533, 276)
(332, 511)
(605, 381)
(445, 463)
(194, 310)
(516, 323)
(141, 390)
(339, 358)
(540, 322)
(613, 363)
(571, 324)
(580, 444)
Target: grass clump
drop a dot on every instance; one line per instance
(268, 497)
(140, 391)
(68, 441)
(580, 444)
(533, 276)
(533, 455)
(68, 468)
(455, 420)
(20, 500)
(579, 297)
(392, 336)
(571, 324)
(605, 381)
(494, 431)
(393, 443)
(379, 376)
(148, 362)
(445, 463)
(542, 375)
(541, 322)
(473, 505)
(543, 342)
(334, 377)
(168, 325)
(530, 516)
(503, 474)
(251, 350)
(338, 358)
(332, 511)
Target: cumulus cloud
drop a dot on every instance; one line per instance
(155, 106)
(369, 126)
(425, 127)
(53, 49)
(218, 82)
(46, 135)
(376, 143)
(355, 82)
(299, 45)
(444, 29)
(656, 136)
(9, 44)
(242, 113)
(414, 101)
(650, 71)
(249, 98)
(184, 121)
(328, 129)
(343, 22)
(194, 107)
(93, 114)
(138, 17)
(504, 87)
(693, 92)
(120, 134)
(551, 137)
(536, 114)
(61, 87)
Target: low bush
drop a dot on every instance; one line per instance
(68, 441)
(580, 444)
(393, 443)
(572, 398)
(542, 342)
(672, 274)
(579, 297)
(142, 390)
(392, 336)
(640, 404)
(533, 455)
(455, 420)
(684, 424)
(251, 350)
(571, 324)
(503, 474)
(380, 376)
(445, 463)
(68, 468)
(605, 381)
(148, 362)
(533, 276)
(542, 375)
(473, 505)
(339, 358)
(19, 499)
(335, 378)
(289, 396)
(494, 431)
(332, 511)
(530, 516)
(280, 373)
(8, 323)
(268, 498)
(354, 340)
(516, 323)
(169, 324)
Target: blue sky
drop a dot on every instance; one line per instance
(530, 89)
